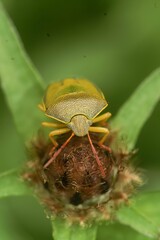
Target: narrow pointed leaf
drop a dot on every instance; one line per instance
(137, 109)
(11, 184)
(22, 85)
(143, 214)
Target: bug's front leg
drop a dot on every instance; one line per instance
(106, 132)
(57, 132)
(102, 118)
(54, 125)
(58, 151)
(100, 130)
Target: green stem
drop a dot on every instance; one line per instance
(62, 230)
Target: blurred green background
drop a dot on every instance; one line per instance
(115, 44)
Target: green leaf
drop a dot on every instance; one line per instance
(10, 228)
(62, 230)
(117, 231)
(149, 204)
(11, 184)
(134, 113)
(143, 214)
(20, 81)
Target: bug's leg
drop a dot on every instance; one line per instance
(106, 132)
(57, 132)
(104, 117)
(59, 150)
(54, 125)
(41, 106)
(100, 130)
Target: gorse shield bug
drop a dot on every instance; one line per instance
(80, 177)
(74, 104)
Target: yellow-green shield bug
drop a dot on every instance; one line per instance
(75, 105)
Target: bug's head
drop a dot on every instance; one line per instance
(80, 125)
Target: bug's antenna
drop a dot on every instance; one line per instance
(58, 151)
(96, 157)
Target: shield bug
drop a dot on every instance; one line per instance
(74, 104)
